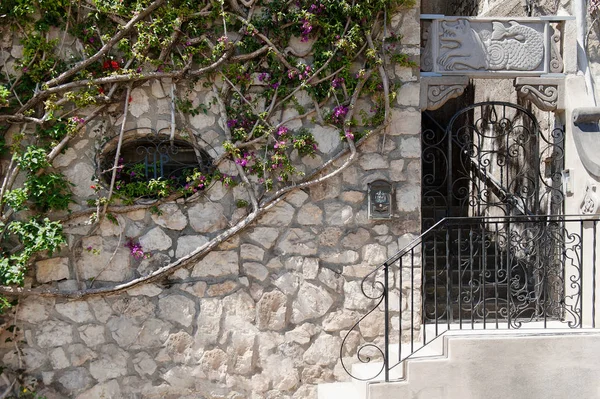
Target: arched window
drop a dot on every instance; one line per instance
(151, 158)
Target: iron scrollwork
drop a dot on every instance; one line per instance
(148, 155)
(373, 288)
(492, 160)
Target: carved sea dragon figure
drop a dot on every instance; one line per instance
(465, 48)
(517, 47)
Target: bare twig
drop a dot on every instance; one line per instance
(172, 135)
(272, 47)
(386, 86)
(111, 256)
(60, 146)
(5, 183)
(117, 153)
(9, 388)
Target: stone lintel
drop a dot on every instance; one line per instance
(545, 93)
(435, 91)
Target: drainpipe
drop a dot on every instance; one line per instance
(579, 9)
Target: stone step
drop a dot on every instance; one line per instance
(436, 350)
(373, 372)
(337, 390)
(477, 364)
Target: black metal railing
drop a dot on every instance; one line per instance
(480, 273)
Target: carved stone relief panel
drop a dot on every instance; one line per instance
(492, 46)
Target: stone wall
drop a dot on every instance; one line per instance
(261, 316)
(450, 7)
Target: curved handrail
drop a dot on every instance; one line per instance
(377, 287)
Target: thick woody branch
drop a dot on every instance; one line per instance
(114, 40)
(113, 177)
(20, 118)
(201, 251)
(386, 85)
(131, 77)
(315, 178)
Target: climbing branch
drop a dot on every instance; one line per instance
(221, 63)
(115, 168)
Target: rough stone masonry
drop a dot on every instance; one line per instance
(263, 315)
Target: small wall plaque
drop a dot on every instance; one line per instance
(380, 197)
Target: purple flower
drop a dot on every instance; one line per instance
(306, 29)
(337, 82)
(340, 110)
(282, 130)
(275, 85)
(231, 123)
(135, 249)
(263, 76)
(316, 9)
(339, 113)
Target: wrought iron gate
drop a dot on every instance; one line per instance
(492, 161)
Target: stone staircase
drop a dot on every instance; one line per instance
(474, 364)
(369, 373)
